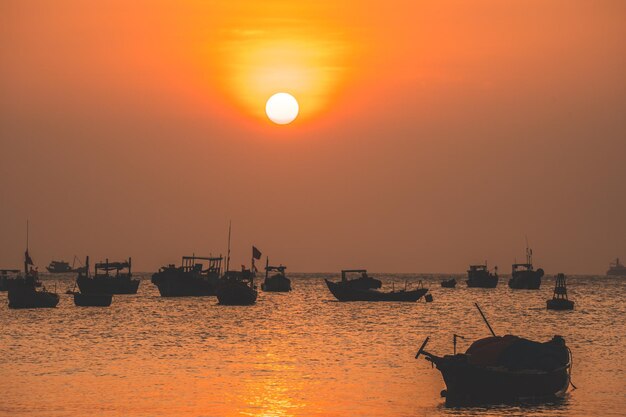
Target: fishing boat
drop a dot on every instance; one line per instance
(478, 276)
(22, 290)
(523, 276)
(616, 269)
(236, 288)
(448, 283)
(503, 370)
(559, 299)
(277, 281)
(104, 281)
(197, 276)
(62, 267)
(343, 292)
(6, 276)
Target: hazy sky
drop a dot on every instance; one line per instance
(432, 134)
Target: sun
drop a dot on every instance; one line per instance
(282, 108)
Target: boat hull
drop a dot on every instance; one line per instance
(451, 283)
(176, 283)
(107, 285)
(31, 298)
(276, 284)
(488, 281)
(92, 300)
(344, 292)
(526, 280)
(235, 294)
(474, 385)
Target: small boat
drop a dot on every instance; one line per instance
(559, 299)
(616, 269)
(449, 283)
(343, 292)
(197, 276)
(103, 282)
(277, 282)
(478, 276)
(236, 288)
(503, 370)
(23, 292)
(6, 276)
(523, 276)
(62, 267)
(92, 300)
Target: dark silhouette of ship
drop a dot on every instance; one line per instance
(448, 283)
(62, 267)
(507, 369)
(92, 300)
(22, 290)
(365, 288)
(197, 276)
(523, 276)
(6, 276)
(277, 282)
(104, 282)
(559, 299)
(478, 276)
(237, 287)
(616, 269)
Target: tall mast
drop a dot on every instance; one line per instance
(228, 253)
(26, 255)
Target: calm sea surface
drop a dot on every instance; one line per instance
(296, 354)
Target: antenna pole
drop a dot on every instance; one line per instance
(485, 319)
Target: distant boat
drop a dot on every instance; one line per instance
(478, 276)
(22, 290)
(449, 283)
(92, 300)
(523, 276)
(364, 282)
(104, 282)
(237, 288)
(197, 276)
(507, 369)
(277, 282)
(559, 299)
(62, 267)
(344, 292)
(616, 269)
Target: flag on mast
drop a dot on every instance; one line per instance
(256, 254)
(29, 260)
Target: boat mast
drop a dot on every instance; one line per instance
(27, 255)
(228, 253)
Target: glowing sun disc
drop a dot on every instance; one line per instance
(282, 108)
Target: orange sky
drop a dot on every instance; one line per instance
(432, 134)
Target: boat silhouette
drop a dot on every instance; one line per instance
(103, 282)
(524, 276)
(197, 276)
(277, 282)
(478, 276)
(354, 290)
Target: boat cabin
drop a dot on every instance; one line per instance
(122, 269)
(345, 272)
(204, 265)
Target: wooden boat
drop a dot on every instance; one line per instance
(504, 370)
(197, 276)
(236, 288)
(23, 292)
(478, 276)
(344, 292)
(364, 282)
(103, 282)
(523, 276)
(62, 267)
(449, 283)
(559, 299)
(277, 282)
(92, 300)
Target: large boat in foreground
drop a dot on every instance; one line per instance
(108, 278)
(507, 369)
(478, 276)
(236, 288)
(197, 276)
(524, 276)
(616, 269)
